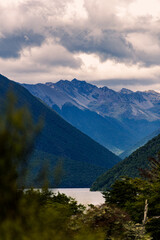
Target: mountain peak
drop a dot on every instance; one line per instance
(151, 91)
(76, 81)
(125, 91)
(105, 88)
(63, 83)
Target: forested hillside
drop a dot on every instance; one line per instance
(129, 166)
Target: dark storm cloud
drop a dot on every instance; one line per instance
(12, 44)
(106, 44)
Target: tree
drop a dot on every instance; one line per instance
(132, 194)
(152, 174)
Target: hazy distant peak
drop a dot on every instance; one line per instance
(125, 91)
(151, 91)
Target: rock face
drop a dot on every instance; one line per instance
(134, 115)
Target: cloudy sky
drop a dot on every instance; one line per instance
(114, 43)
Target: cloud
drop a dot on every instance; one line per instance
(107, 44)
(12, 44)
(87, 26)
(87, 39)
(51, 54)
(126, 82)
(130, 83)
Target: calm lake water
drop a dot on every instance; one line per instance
(82, 195)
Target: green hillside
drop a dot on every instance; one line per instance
(74, 174)
(60, 139)
(129, 166)
(140, 143)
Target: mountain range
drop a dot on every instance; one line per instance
(117, 120)
(83, 158)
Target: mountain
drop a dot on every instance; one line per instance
(117, 120)
(58, 138)
(107, 131)
(91, 123)
(130, 165)
(107, 102)
(139, 144)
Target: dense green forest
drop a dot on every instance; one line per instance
(129, 166)
(73, 175)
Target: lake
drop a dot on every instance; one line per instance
(82, 195)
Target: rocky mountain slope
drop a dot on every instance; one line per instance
(117, 120)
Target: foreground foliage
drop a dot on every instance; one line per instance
(43, 215)
(131, 194)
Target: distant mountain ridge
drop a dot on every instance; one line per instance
(139, 105)
(117, 120)
(58, 138)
